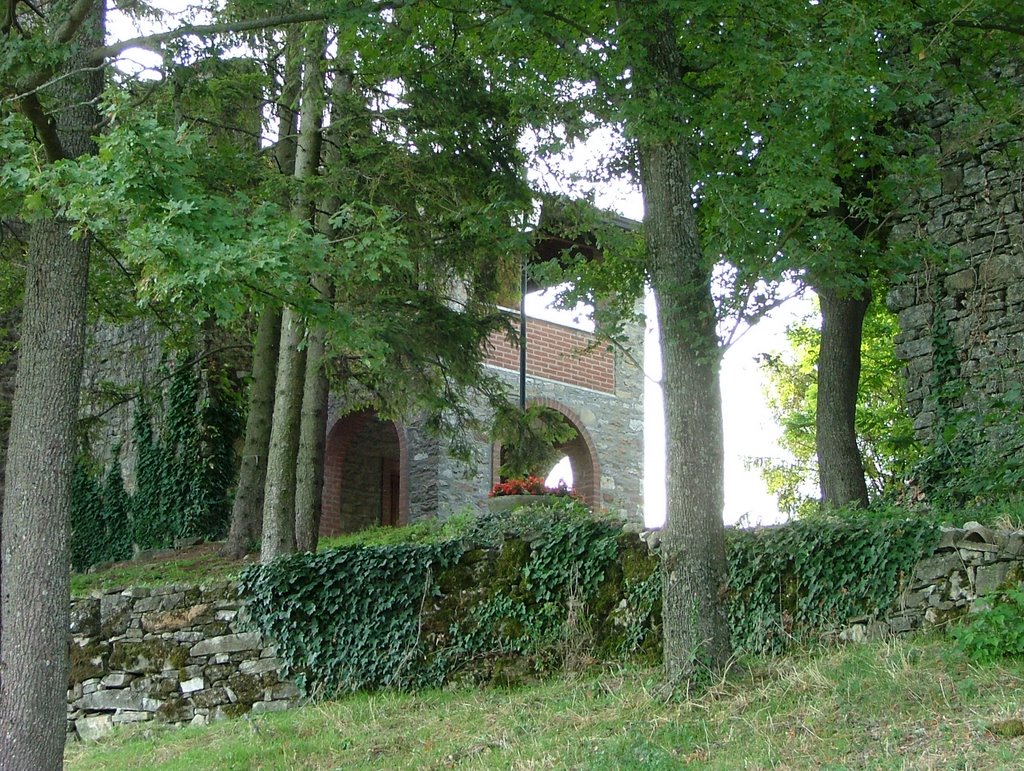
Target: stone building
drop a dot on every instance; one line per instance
(393, 472)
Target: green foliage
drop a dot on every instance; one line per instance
(529, 438)
(183, 474)
(100, 530)
(348, 618)
(996, 629)
(807, 578)
(428, 531)
(460, 603)
(885, 432)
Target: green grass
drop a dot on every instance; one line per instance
(192, 567)
(203, 564)
(915, 704)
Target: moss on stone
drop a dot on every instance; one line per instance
(153, 655)
(635, 559)
(464, 574)
(508, 569)
(88, 661)
(235, 710)
(175, 709)
(247, 688)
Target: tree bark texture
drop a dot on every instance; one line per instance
(840, 466)
(280, 489)
(34, 593)
(694, 571)
(313, 430)
(309, 465)
(696, 630)
(247, 510)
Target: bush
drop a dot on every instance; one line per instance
(996, 630)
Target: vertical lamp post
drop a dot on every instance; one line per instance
(522, 337)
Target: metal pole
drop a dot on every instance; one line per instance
(522, 338)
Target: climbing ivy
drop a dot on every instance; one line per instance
(502, 598)
(808, 578)
(508, 596)
(100, 529)
(184, 468)
(348, 618)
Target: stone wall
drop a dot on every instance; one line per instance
(964, 309)
(182, 654)
(174, 654)
(969, 563)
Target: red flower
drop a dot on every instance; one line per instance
(532, 485)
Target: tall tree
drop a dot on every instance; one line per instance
(36, 509)
(279, 495)
(247, 508)
(885, 432)
(696, 631)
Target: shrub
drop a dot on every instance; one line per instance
(996, 629)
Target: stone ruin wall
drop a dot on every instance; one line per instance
(183, 654)
(967, 302)
(968, 564)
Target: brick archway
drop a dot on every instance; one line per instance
(581, 451)
(365, 474)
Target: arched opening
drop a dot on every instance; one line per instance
(364, 474)
(579, 463)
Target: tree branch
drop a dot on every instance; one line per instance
(44, 126)
(1011, 29)
(206, 30)
(70, 25)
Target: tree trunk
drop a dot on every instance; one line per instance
(309, 466)
(696, 631)
(37, 495)
(840, 467)
(313, 431)
(279, 497)
(279, 492)
(694, 571)
(247, 511)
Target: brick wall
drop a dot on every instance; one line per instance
(559, 353)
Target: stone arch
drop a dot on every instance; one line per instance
(365, 474)
(582, 452)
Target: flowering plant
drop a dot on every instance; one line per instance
(531, 485)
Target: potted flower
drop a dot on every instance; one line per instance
(530, 441)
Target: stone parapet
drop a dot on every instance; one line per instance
(172, 654)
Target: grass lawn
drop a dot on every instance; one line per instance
(915, 704)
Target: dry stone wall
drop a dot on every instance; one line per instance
(174, 654)
(968, 564)
(183, 654)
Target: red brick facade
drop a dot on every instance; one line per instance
(559, 353)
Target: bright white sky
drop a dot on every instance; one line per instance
(749, 428)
